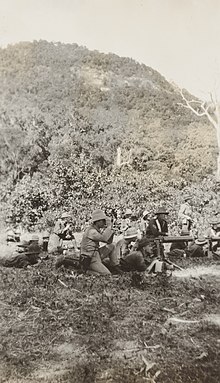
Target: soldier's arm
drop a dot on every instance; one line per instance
(105, 237)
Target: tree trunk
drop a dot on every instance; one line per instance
(218, 158)
(118, 158)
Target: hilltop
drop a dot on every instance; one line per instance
(65, 110)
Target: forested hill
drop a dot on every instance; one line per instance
(65, 110)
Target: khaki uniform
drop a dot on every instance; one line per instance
(211, 232)
(130, 260)
(90, 246)
(185, 216)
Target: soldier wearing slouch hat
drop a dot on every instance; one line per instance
(91, 254)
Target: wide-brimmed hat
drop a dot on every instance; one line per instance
(201, 241)
(214, 221)
(130, 233)
(98, 215)
(161, 210)
(66, 215)
(145, 213)
(128, 212)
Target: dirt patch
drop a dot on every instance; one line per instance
(213, 319)
(196, 272)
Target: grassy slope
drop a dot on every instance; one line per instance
(60, 327)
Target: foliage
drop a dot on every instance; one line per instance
(64, 112)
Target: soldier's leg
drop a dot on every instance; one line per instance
(134, 262)
(97, 266)
(109, 251)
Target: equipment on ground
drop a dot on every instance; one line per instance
(161, 262)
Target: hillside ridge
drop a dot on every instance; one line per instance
(65, 111)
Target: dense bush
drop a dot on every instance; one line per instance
(65, 110)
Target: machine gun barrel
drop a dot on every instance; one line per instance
(178, 239)
(213, 239)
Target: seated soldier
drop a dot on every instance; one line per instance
(178, 248)
(158, 225)
(17, 232)
(26, 254)
(198, 249)
(10, 235)
(213, 231)
(91, 255)
(126, 221)
(144, 222)
(130, 259)
(62, 237)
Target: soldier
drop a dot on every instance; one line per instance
(126, 222)
(213, 231)
(145, 219)
(130, 258)
(26, 254)
(45, 238)
(199, 248)
(10, 235)
(62, 236)
(158, 225)
(178, 248)
(91, 255)
(185, 214)
(63, 227)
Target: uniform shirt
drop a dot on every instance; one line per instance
(59, 229)
(91, 239)
(185, 212)
(123, 248)
(144, 225)
(212, 233)
(126, 223)
(196, 250)
(157, 227)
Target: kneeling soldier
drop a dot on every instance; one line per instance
(91, 254)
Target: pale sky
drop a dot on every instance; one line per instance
(179, 38)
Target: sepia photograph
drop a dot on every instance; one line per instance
(110, 191)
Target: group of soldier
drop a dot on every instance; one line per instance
(137, 247)
(113, 242)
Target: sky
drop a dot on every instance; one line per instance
(178, 38)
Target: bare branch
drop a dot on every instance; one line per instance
(188, 106)
(211, 98)
(204, 109)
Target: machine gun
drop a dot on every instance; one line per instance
(159, 252)
(168, 239)
(161, 261)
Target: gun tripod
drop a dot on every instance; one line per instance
(161, 264)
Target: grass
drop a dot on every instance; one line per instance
(57, 326)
